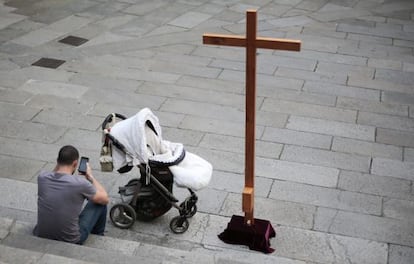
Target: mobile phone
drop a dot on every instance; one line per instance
(82, 165)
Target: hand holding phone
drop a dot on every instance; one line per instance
(83, 165)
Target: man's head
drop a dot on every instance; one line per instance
(68, 157)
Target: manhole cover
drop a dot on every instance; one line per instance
(48, 63)
(74, 41)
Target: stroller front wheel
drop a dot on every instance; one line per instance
(191, 211)
(122, 215)
(179, 224)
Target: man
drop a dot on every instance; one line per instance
(61, 194)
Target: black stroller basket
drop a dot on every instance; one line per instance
(151, 195)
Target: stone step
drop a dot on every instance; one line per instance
(100, 242)
(71, 251)
(21, 231)
(13, 255)
(114, 250)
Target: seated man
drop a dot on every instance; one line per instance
(61, 194)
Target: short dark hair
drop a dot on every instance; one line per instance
(67, 154)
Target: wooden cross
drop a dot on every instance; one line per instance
(251, 42)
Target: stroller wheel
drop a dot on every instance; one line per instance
(179, 224)
(192, 212)
(188, 212)
(122, 215)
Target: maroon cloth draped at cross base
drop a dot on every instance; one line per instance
(256, 236)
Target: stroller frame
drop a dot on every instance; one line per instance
(156, 182)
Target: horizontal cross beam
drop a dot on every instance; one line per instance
(261, 42)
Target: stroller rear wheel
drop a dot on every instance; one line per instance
(179, 224)
(123, 215)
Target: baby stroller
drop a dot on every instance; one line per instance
(137, 141)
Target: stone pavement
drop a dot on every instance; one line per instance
(335, 146)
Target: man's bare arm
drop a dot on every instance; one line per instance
(101, 196)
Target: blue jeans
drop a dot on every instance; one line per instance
(92, 220)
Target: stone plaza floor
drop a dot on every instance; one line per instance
(335, 122)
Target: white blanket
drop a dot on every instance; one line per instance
(193, 172)
(143, 145)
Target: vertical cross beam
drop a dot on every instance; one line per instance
(250, 130)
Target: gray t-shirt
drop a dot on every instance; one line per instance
(60, 201)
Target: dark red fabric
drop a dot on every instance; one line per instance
(256, 236)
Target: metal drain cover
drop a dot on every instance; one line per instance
(73, 40)
(48, 63)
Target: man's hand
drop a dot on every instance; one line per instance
(88, 174)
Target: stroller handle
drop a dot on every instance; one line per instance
(117, 144)
(108, 120)
(110, 117)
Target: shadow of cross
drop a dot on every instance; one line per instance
(251, 42)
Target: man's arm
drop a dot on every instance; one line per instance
(101, 196)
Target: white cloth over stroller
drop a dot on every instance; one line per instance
(142, 137)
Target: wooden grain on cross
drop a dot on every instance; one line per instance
(251, 42)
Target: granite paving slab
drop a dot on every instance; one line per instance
(334, 128)
(54, 88)
(18, 256)
(17, 111)
(385, 64)
(335, 78)
(38, 37)
(326, 197)
(30, 131)
(395, 137)
(386, 121)
(297, 96)
(303, 109)
(18, 195)
(286, 82)
(398, 97)
(375, 228)
(398, 209)
(50, 259)
(293, 137)
(372, 106)
(190, 19)
(408, 154)
(375, 184)
(384, 84)
(393, 168)
(235, 144)
(326, 158)
(325, 248)
(8, 19)
(211, 84)
(19, 168)
(400, 254)
(144, 7)
(366, 148)
(341, 90)
(106, 38)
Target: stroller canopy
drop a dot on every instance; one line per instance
(141, 136)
